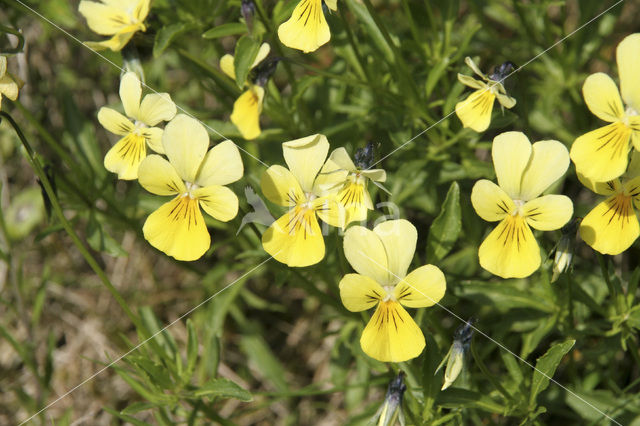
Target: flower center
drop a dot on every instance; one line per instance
(630, 112)
(191, 188)
(139, 128)
(309, 197)
(389, 293)
(518, 209)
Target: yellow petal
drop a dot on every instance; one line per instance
(632, 188)
(602, 97)
(280, 187)
(227, 67)
(330, 211)
(177, 228)
(602, 155)
(218, 201)
(262, 53)
(185, 142)
(156, 107)
(490, 201)
(158, 176)
(130, 93)
(602, 188)
(115, 43)
(331, 4)
(246, 112)
(475, 111)
(392, 335)
(422, 287)
(305, 157)
(510, 250)
(376, 175)
(115, 122)
(506, 101)
(549, 161)
(365, 252)
(471, 64)
(342, 159)
(8, 87)
(101, 18)
(548, 212)
(628, 58)
(359, 293)
(3, 65)
(399, 239)
(141, 10)
(331, 179)
(511, 152)
(634, 164)
(125, 156)
(307, 29)
(469, 81)
(153, 136)
(355, 201)
(221, 166)
(612, 226)
(295, 239)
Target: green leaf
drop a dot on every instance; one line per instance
(166, 35)
(446, 227)
(246, 52)
(546, 366)
(254, 346)
(232, 28)
(192, 351)
(126, 417)
(101, 241)
(136, 407)
(456, 398)
(224, 388)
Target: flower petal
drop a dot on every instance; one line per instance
(548, 212)
(355, 201)
(602, 188)
(305, 157)
(510, 250)
(8, 87)
(471, 64)
(490, 201)
(153, 136)
(376, 175)
(365, 253)
(295, 239)
(101, 18)
(280, 187)
(307, 29)
(399, 238)
(177, 228)
(511, 152)
(227, 67)
(612, 226)
(246, 112)
(158, 176)
(602, 154)
(218, 201)
(156, 107)
(263, 52)
(3, 65)
(221, 166)
(359, 293)
(628, 58)
(117, 42)
(469, 81)
(475, 111)
(342, 159)
(549, 162)
(130, 93)
(185, 142)
(125, 156)
(392, 335)
(330, 211)
(423, 287)
(506, 101)
(602, 97)
(115, 122)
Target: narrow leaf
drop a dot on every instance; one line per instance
(224, 388)
(446, 227)
(165, 36)
(233, 28)
(246, 52)
(546, 367)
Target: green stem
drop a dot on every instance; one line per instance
(487, 373)
(65, 223)
(16, 33)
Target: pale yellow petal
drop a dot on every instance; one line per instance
(307, 29)
(115, 122)
(330, 211)
(422, 287)
(101, 18)
(628, 58)
(602, 154)
(392, 335)
(471, 64)
(263, 52)
(246, 112)
(475, 111)
(366, 254)
(218, 201)
(158, 176)
(506, 101)
(548, 212)
(9, 87)
(115, 43)
(185, 142)
(490, 201)
(342, 159)
(305, 157)
(295, 239)
(221, 166)
(141, 10)
(511, 152)
(177, 228)
(3, 65)
(376, 175)
(549, 162)
(602, 97)
(510, 250)
(153, 136)
(280, 187)
(227, 67)
(359, 293)
(156, 107)
(331, 4)
(353, 198)
(612, 226)
(130, 93)
(399, 239)
(602, 188)
(634, 164)
(125, 156)
(469, 81)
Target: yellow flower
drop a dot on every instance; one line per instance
(612, 226)
(127, 154)
(603, 154)
(475, 111)
(117, 18)
(307, 29)
(247, 108)
(195, 178)
(381, 257)
(524, 171)
(8, 84)
(351, 184)
(296, 238)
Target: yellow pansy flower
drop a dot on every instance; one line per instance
(296, 238)
(381, 258)
(118, 18)
(8, 85)
(612, 226)
(247, 108)
(307, 29)
(475, 111)
(524, 171)
(127, 154)
(351, 187)
(603, 154)
(195, 178)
